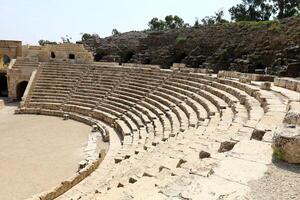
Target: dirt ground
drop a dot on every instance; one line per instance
(37, 152)
(280, 182)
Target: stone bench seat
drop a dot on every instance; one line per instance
(51, 91)
(95, 92)
(125, 97)
(130, 90)
(136, 87)
(135, 118)
(139, 84)
(45, 105)
(55, 84)
(170, 105)
(84, 97)
(80, 102)
(202, 90)
(76, 108)
(169, 99)
(40, 96)
(144, 82)
(67, 79)
(104, 116)
(129, 93)
(205, 84)
(48, 74)
(189, 111)
(146, 78)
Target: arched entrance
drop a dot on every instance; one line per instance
(3, 85)
(21, 87)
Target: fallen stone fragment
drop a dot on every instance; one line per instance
(265, 86)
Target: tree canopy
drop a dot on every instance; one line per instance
(115, 32)
(262, 10)
(216, 19)
(286, 8)
(44, 42)
(170, 22)
(252, 10)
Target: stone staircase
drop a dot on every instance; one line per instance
(164, 119)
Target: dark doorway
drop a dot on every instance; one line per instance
(52, 54)
(97, 57)
(3, 85)
(72, 56)
(21, 87)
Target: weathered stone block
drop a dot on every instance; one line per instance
(286, 144)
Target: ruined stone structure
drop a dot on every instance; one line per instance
(177, 133)
(8, 50)
(21, 68)
(173, 133)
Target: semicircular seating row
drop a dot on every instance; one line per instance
(146, 106)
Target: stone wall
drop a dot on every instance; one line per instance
(249, 77)
(59, 52)
(289, 83)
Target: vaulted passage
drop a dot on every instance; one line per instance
(21, 87)
(3, 85)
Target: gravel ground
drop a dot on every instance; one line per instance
(280, 182)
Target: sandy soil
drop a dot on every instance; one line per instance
(37, 152)
(280, 182)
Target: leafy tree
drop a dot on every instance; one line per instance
(197, 23)
(156, 25)
(173, 22)
(286, 8)
(170, 22)
(44, 42)
(252, 10)
(87, 36)
(115, 32)
(208, 20)
(216, 19)
(66, 39)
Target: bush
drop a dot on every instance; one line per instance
(180, 39)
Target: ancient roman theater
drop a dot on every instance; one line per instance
(75, 129)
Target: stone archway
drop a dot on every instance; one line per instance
(21, 87)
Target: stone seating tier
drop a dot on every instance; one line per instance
(149, 108)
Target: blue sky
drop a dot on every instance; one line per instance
(31, 20)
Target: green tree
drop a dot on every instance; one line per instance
(66, 39)
(115, 32)
(216, 19)
(252, 10)
(156, 25)
(44, 42)
(170, 22)
(173, 22)
(87, 36)
(197, 23)
(286, 8)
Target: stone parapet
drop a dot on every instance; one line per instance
(251, 77)
(288, 83)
